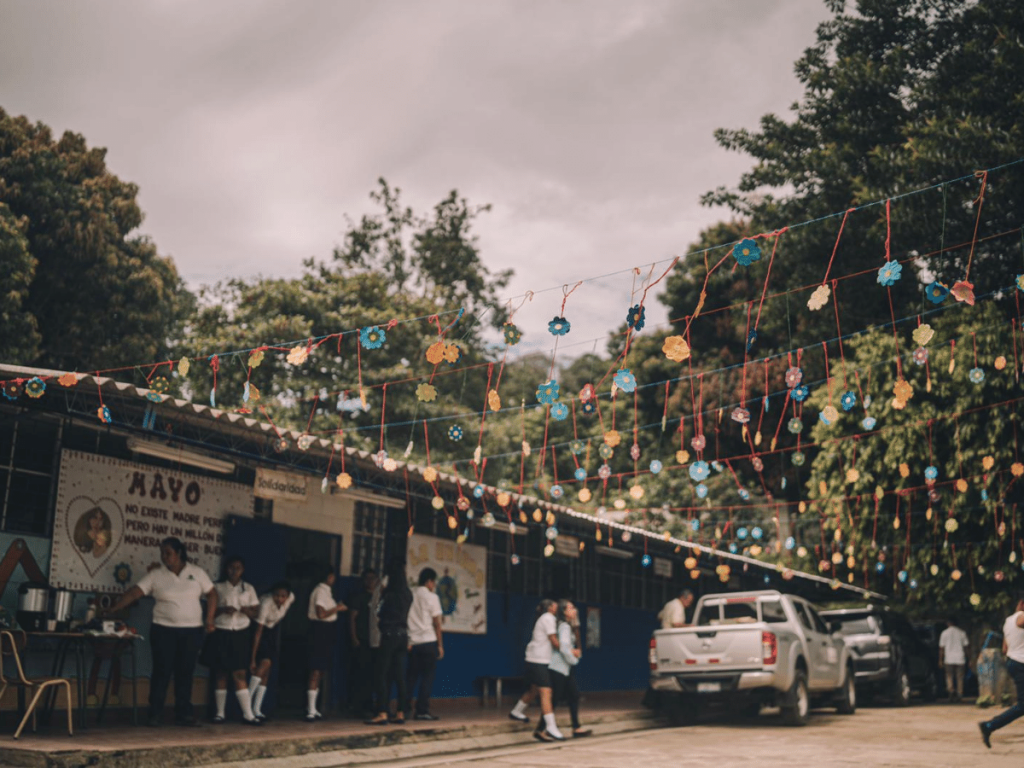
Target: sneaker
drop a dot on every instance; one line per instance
(985, 733)
(519, 718)
(426, 716)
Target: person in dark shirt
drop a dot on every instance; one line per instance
(392, 618)
(363, 613)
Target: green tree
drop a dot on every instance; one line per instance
(84, 291)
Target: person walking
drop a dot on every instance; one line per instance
(177, 586)
(393, 620)
(266, 645)
(673, 614)
(1013, 649)
(229, 649)
(953, 644)
(543, 643)
(362, 613)
(563, 668)
(426, 643)
(323, 616)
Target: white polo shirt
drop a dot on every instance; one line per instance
(237, 597)
(270, 615)
(673, 613)
(1014, 637)
(952, 641)
(426, 606)
(539, 650)
(322, 596)
(177, 596)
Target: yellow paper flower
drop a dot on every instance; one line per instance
(437, 502)
(682, 457)
(503, 499)
(344, 480)
(898, 404)
(254, 394)
(298, 355)
(952, 525)
(975, 599)
(1000, 363)
(830, 413)
(612, 438)
(452, 353)
(819, 298)
(902, 390)
(923, 334)
(904, 469)
(430, 474)
(955, 574)
(255, 358)
(68, 380)
(637, 492)
(879, 492)
(852, 475)
(183, 365)
(435, 352)
(961, 485)
(493, 400)
(426, 393)
(389, 465)
(676, 348)
(1017, 469)
(987, 463)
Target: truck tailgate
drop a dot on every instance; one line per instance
(709, 648)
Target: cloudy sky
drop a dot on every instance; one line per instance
(254, 127)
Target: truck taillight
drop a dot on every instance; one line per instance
(653, 655)
(769, 647)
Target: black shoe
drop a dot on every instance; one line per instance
(187, 722)
(519, 718)
(310, 718)
(397, 720)
(375, 721)
(255, 721)
(543, 736)
(579, 733)
(217, 719)
(985, 733)
(425, 716)
(552, 736)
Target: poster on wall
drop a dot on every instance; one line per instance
(111, 516)
(593, 627)
(461, 580)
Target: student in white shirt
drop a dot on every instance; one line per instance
(1013, 649)
(177, 628)
(267, 644)
(563, 667)
(323, 635)
(426, 643)
(953, 644)
(674, 612)
(538, 656)
(229, 649)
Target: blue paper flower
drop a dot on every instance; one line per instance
(624, 380)
(889, 273)
(589, 408)
(798, 458)
(559, 326)
(733, 548)
(559, 411)
(577, 447)
(880, 567)
(702, 491)
(580, 474)
(103, 413)
(868, 423)
(645, 561)
(547, 393)
(655, 467)
(744, 494)
(756, 532)
(35, 387)
(372, 337)
(699, 471)
(695, 525)
(936, 292)
(824, 420)
(557, 492)
(800, 393)
(930, 473)
(741, 533)
(746, 252)
(902, 576)
(478, 491)
(455, 432)
(635, 317)
(795, 426)
(976, 375)
(790, 542)
(848, 400)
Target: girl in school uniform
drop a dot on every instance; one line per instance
(323, 617)
(538, 656)
(563, 667)
(228, 649)
(267, 643)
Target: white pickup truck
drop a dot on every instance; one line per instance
(752, 648)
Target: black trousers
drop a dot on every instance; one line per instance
(422, 665)
(1016, 670)
(391, 668)
(564, 688)
(362, 678)
(174, 651)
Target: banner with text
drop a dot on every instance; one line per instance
(461, 580)
(111, 516)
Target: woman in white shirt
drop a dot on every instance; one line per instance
(227, 650)
(177, 628)
(323, 617)
(267, 643)
(538, 656)
(563, 667)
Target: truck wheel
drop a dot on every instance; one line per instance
(847, 699)
(901, 688)
(798, 701)
(678, 709)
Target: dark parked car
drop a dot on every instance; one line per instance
(889, 655)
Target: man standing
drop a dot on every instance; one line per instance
(1013, 649)
(362, 622)
(953, 644)
(674, 612)
(426, 646)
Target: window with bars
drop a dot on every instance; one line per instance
(368, 535)
(28, 453)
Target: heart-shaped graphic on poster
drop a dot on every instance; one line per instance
(94, 528)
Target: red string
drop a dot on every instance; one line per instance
(888, 229)
(768, 274)
(426, 441)
(839, 333)
(895, 337)
(974, 339)
(980, 200)
(311, 413)
(836, 247)
(383, 406)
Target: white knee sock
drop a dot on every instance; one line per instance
(552, 728)
(257, 701)
(221, 697)
(243, 702)
(254, 683)
(311, 702)
(519, 708)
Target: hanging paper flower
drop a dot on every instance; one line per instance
(923, 334)
(682, 457)
(153, 397)
(800, 393)
(511, 333)
(35, 388)
(741, 415)
(793, 377)
(852, 475)
(636, 492)
(435, 353)
(389, 465)
(699, 471)
(183, 366)
(372, 337)
(698, 443)
(68, 380)
(605, 451)
(848, 400)
(462, 503)
(904, 469)
(976, 375)
(612, 438)
(757, 464)
(999, 363)
(635, 317)
(701, 490)
(103, 414)
(494, 400)
(452, 353)
(255, 358)
(280, 445)
(795, 426)
(589, 408)
(559, 411)
(559, 326)
(297, 355)
(604, 472)
(952, 524)
(580, 474)
(746, 252)
(889, 273)
(547, 393)
(455, 432)
(430, 474)
(829, 414)
(963, 291)
(930, 473)
(902, 390)
(819, 298)
(936, 292)
(921, 355)
(1017, 469)
(12, 390)
(717, 466)
(624, 380)
(577, 447)
(304, 442)
(798, 458)
(344, 480)
(478, 491)
(655, 467)
(676, 348)
(634, 452)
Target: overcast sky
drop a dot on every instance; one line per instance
(253, 127)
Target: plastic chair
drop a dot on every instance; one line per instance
(37, 684)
